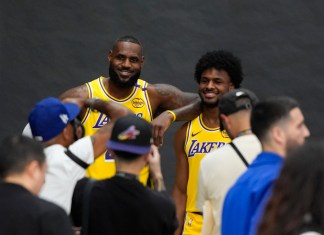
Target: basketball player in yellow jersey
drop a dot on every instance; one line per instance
(216, 72)
(124, 87)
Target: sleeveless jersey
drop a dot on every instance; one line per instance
(137, 101)
(200, 140)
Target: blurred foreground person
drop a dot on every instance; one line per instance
(22, 172)
(296, 205)
(122, 205)
(54, 124)
(221, 168)
(278, 123)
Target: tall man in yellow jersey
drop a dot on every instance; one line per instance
(124, 87)
(216, 73)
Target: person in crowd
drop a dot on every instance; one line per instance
(54, 124)
(220, 169)
(296, 203)
(279, 124)
(121, 204)
(217, 72)
(22, 173)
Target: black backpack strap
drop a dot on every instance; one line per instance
(76, 159)
(86, 207)
(239, 153)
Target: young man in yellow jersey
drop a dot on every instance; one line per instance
(126, 88)
(216, 73)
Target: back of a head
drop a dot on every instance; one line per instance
(50, 116)
(221, 60)
(303, 170)
(237, 100)
(131, 137)
(269, 112)
(297, 199)
(16, 152)
(237, 103)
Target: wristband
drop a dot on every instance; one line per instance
(173, 114)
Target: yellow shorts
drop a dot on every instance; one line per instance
(192, 224)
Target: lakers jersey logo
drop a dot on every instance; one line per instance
(224, 134)
(203, 147)
(108, 157)
(137, 103)
(101, 121)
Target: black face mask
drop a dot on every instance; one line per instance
(78, 129)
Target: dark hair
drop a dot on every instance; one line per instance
(128, 38)
(221, 60)
(268, 112)
(297, 194)
(16, 152)
(126, 156)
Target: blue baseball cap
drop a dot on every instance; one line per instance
(50, 116)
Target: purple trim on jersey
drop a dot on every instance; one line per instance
(206, 128)
(88, 109)
(147, 101)
(111, 97)
(128, 147)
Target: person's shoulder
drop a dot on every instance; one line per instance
(82, 143)
(160, 89)
(53, 218)
(161, 198)
(216, 155)
(80, 91)
(48, 208)
(54, 150)
(247, 139)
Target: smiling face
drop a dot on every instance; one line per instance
(213, 85)
(125, 63)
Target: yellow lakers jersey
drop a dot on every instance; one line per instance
(200, 140)
(137, 101)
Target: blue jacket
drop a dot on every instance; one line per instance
(249, 195)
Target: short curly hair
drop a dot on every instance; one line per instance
(221, 60)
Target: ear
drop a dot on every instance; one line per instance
(32, 169)
(231, 87)
(142, 61)
(109, 56)
(278, 135)
(65, 132)
(226, 120)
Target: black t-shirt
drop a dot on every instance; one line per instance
(25, 214)
(124, 206)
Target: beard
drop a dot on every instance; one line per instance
(124, 84)
(293, 146)
(208, 104)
